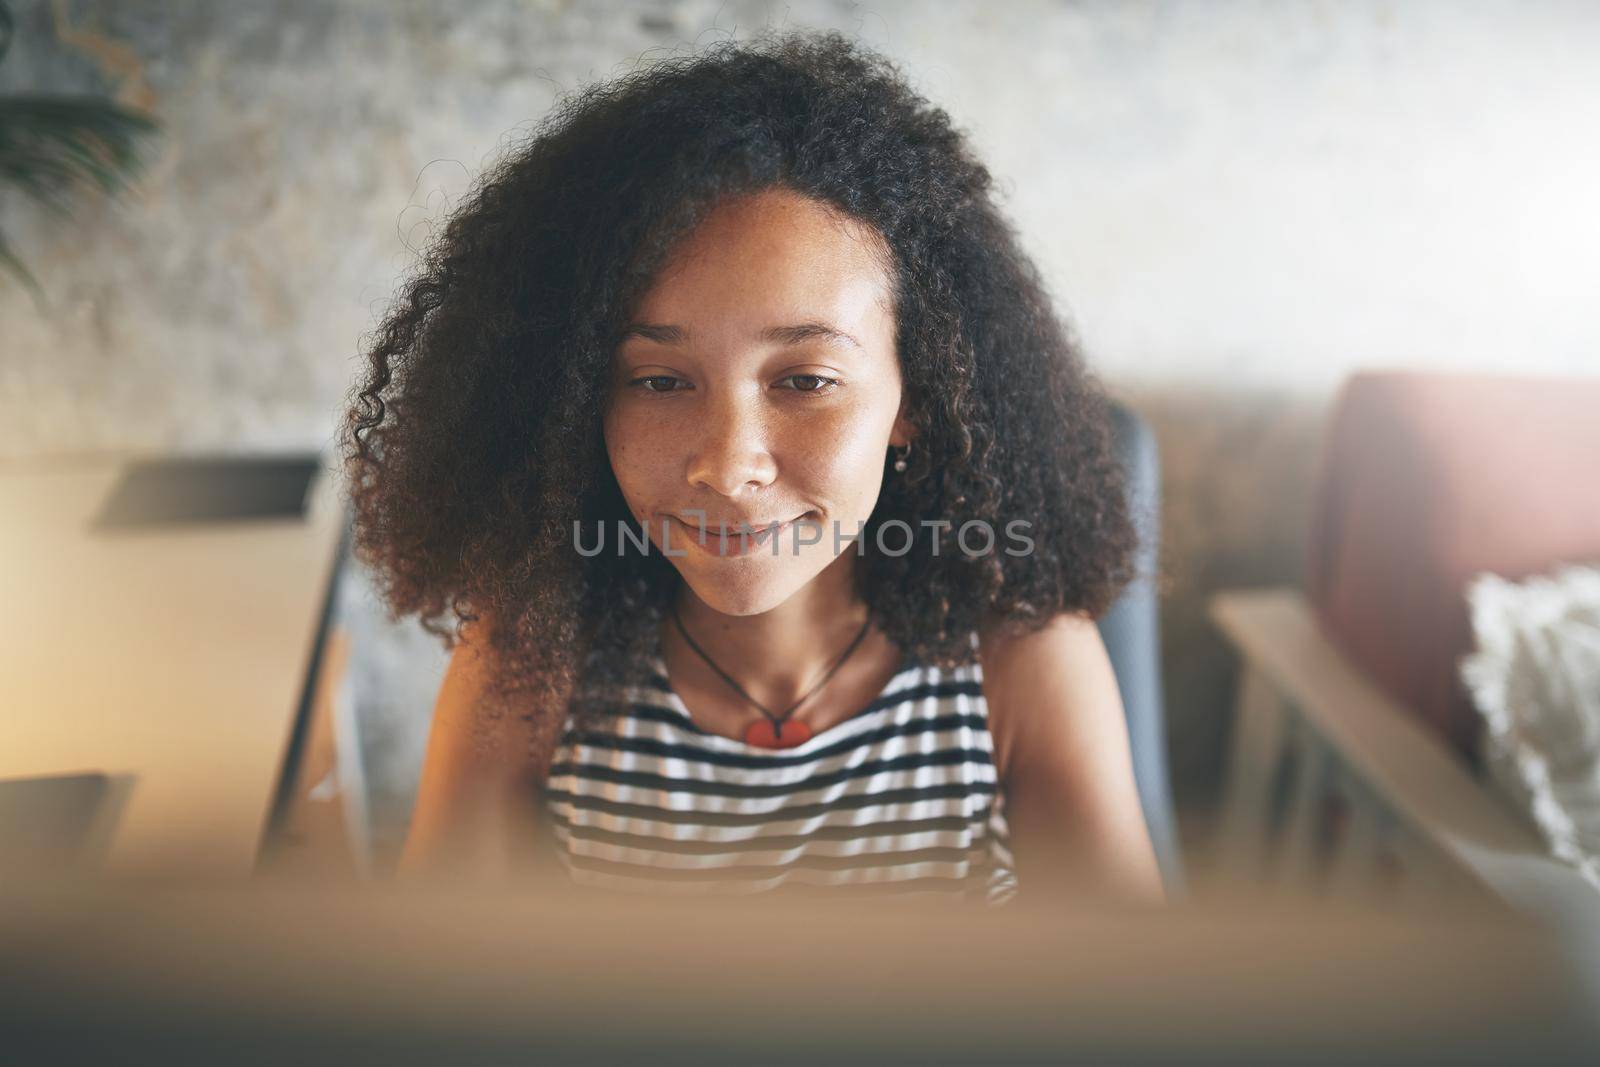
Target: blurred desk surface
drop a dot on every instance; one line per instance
(178, 655)
(249, 972)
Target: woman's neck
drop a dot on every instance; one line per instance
(780, 654)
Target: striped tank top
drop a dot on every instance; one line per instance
(902, 798)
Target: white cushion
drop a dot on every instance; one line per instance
(1535, 678)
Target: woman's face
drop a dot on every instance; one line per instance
(757, 384)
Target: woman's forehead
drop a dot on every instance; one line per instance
(771, 258)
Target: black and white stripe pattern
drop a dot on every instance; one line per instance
(901, 798)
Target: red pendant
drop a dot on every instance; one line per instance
(787, 734)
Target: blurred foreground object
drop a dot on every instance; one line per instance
(1355, 761)
(248, 974)
(175, 655)
(60, 822)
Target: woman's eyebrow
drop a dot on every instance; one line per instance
(666, 335)
(807, 331)
(786, 335)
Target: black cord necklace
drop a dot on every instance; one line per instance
(777, 729)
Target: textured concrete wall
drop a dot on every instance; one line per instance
(1236, 203)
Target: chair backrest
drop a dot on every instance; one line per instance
(1132, 635)
(1428, 479)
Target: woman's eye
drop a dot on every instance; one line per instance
(649, 386)
(666, 383)
(812, 383)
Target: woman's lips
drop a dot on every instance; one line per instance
(733, 543)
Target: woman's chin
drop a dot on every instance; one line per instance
(745, 595)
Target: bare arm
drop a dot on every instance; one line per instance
(1061, 746)
(475, 815)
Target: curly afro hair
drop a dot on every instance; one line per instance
(473, 439)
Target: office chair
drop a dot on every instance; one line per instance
(1131, 632)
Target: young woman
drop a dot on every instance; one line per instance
(731, 441)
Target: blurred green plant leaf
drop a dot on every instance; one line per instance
(52, 147)
(10, 262)
(56, 147)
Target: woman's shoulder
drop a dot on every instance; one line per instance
(480, 765)
(1035, 677)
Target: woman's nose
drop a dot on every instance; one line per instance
(731, 452)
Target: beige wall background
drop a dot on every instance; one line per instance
(1236, 203)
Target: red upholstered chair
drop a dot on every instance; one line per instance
(1356, 750)
(1427, 480)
